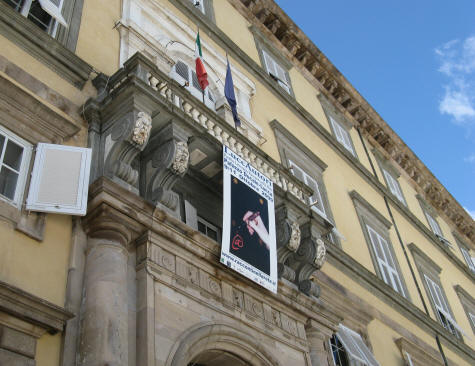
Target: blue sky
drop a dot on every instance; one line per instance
(414, 62)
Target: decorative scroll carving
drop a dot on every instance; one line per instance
(166, 160)
(180, 163)
(124, 139)
(321, 253)
(143, 126)
(295, 234)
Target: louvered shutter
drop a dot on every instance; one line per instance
(60, 179)
(468, 259)
(182, 69)
(355, 347)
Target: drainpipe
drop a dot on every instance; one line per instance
(437, 339)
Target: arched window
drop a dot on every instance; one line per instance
(186, 76)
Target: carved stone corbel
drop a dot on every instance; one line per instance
(166, 161)
(128, 136)
(288, 240)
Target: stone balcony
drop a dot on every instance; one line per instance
(152, 137)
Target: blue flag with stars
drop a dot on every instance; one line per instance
(229, 94)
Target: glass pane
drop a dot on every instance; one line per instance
(8, 181)
(212, 234)
(201, 227)
(13, 155)
(40, 17)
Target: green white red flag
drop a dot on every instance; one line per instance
(200, 67)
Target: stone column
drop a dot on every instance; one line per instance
(104, 318)
(318, 336)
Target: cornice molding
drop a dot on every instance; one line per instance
(307, 57)
(32, 309)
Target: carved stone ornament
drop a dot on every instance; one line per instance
(295, 235)
(321, 253)
(182, 155)
(143, 126)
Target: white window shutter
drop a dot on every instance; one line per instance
(53, 8)
(60, 179)
(408, 359)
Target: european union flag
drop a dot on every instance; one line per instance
(229, 94)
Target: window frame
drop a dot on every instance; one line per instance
(368, 216)
(341, 130)
(468, 304)
(292, 150)
(209, 225)
(265, 47)
(25, 164)
(429, 269)
(465, 251)
(356, 350)
(210, 102)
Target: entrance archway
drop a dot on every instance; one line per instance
(211, 344)
(217, 358)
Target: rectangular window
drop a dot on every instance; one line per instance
(301, 175)
(14, 161)
(342, 136)
(434, 225)
(385, 260)
(46, 14)
(356, 349)
(441, 307)
(472, 320)
(468, 258)
(393, 186)
(208, 229)
(276, 71)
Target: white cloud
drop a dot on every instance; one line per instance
(457, 63)
(470, 159)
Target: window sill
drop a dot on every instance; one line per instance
(28, 223)
(40, 45)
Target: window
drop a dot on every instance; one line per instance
(46, 14)
(342, 136)
(316, 200)
(434, 225)
(466, 255)
(14, 163)
(431, 215)
(468, 304)
(385, 260)
(208, 229)
(429, 272)
(276, 71)
(440, 304)
(394, 186)
(186, 76)
(408, 359)
(349, 349)
(376, 232)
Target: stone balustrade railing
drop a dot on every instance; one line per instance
(138, 67)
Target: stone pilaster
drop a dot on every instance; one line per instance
(318, 336)
(104, 318)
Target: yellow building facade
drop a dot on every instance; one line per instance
(374, 255)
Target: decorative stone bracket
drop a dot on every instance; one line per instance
(164, 162)
(300, 249)
(127, 137)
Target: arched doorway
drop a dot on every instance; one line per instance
(218, 358)
(211, 344)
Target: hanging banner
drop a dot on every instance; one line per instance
(248, 241)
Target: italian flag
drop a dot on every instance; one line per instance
(200, 67)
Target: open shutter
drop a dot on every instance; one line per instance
(355, 347)
(408, 358)
(53, 8)
(468, 259)
(60, 179)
